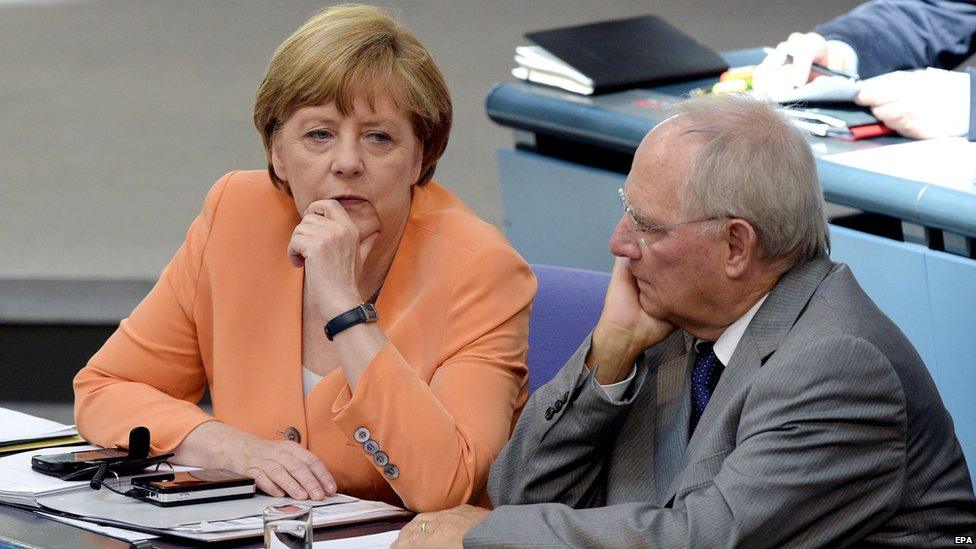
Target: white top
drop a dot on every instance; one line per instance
(309, 380)
(724, 347)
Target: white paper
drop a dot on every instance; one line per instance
(538, 58)
(382, 540)
(947, 162)
(20, 484)
(822, 88)
(103, 504)
(20, 427)
(111, 531)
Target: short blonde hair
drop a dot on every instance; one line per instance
(345, 52)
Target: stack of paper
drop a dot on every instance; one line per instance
(19, 485)
(19, 431)
(216, 521)
(535, 64)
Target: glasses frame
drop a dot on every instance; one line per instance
(642, 227)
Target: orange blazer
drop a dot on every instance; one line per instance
(440, 398)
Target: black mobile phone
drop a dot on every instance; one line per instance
(60, 465)
(186, 487)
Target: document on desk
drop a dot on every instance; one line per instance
(383, 540)
(947, 162)
(17, 427)
(20, 485)
(215, 521)
(110, 531)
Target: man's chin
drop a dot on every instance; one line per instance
(650, 307)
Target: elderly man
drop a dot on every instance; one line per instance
(739, 389)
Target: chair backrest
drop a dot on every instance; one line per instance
(567, 307)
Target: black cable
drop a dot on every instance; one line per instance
(98, 481)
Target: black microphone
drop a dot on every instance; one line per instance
(138, 443)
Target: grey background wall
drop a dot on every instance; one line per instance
(116, 117)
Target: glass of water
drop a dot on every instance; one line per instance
(288, 526)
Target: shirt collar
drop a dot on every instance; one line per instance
(726, 343)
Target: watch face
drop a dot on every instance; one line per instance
(370, 310)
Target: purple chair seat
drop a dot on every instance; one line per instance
(567, 307)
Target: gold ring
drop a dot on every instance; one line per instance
(423, 526)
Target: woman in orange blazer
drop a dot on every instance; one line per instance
(360, 330)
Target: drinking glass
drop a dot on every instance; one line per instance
(288, 526)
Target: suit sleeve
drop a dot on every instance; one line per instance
(442, 435)
(558, 449)
(819, 461)
(890, 35)
(150, 371)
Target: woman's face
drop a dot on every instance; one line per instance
(368, 160)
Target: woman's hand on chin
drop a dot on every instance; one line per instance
(327, 243)
(279, 468)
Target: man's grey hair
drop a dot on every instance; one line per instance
(756, 166)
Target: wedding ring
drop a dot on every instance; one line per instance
(423, 526)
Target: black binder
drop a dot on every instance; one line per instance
(630, 53)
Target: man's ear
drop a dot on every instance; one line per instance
(742, 247)
(276, 159)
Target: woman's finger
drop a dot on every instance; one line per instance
(321, 472)
(263, 483)
(279, 474)
(300, 471)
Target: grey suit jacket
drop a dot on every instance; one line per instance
(825, 430)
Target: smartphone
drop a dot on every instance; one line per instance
(60, 465)
(188, 487)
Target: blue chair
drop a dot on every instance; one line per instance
(567, 307)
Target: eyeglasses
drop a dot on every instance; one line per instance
(642, 227)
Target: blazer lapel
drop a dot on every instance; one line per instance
(772, 323)
(671, 420)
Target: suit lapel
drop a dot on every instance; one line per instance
(772, 323)
(671, 420)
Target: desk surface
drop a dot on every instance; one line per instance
(20, 528)
(619, 121)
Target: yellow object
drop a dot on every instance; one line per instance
(737, 73)
(42, 443)
(730, 86)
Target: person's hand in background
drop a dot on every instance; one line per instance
(921, 104)
(789, 65)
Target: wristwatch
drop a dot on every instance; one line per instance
(364, 312)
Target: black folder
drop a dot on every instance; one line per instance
(630, 53)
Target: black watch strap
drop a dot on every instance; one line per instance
(364, 312)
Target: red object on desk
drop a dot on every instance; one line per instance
(867, 131)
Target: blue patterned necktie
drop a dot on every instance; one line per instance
(704, 378)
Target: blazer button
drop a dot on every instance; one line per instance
(381, 459)
(549, 413)
(361, 435)
(566, 396)
(371, 446)
(558, 405)
(391, 471)
(293, 435)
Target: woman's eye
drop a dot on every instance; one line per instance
(380, 137)
(319, 135)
